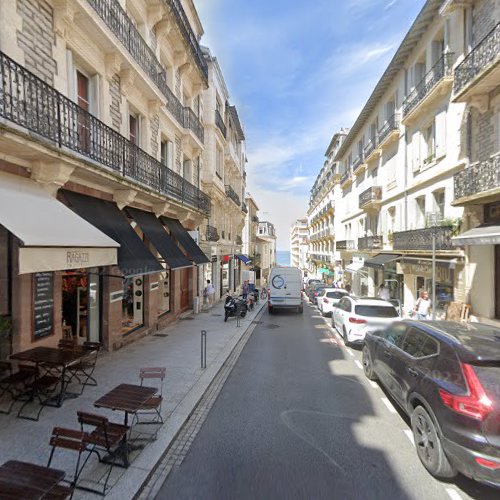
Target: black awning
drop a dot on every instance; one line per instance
(192, 250)
(246, 260)
(155, 232)
(134, 258)
(381, 259)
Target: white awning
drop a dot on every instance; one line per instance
(481, 235)
(52, 237)
(354, 267)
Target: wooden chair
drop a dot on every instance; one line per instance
(14, 383)
(41, 389)
(105, 437)
(68, 439)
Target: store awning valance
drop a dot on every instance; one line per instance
(481, 235)
(134, 258)
(52, 237)
(380, 260)
(244, 259)
(192, 250)
(354, 267)
(426, 262)
(155, 232)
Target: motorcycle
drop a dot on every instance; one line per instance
(234, 306)
(256, 295)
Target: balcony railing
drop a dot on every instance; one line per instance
(29, 102)
(370, 195)
(345, 176)
(212, 233)
(255, 219)
(231, 193)
(441, 69)
(244, 207)
(390, 125)
(421, 239)
(370, 243)
(357, 162)
(370, 147)
(189, 36)
(220, 123)
(345, 245)
(479, 58)
(118, 21)
(478, 178)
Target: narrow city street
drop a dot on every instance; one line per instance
(298, 419)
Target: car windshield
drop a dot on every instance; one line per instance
(336, 295)
(376, 311)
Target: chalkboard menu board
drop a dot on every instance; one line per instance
(43, 304)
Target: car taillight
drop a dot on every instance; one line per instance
(357, 321)
(476, 404)
(489, 464)
(325, 300)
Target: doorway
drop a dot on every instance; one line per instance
(184, 288)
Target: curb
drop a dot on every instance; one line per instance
(141, 470)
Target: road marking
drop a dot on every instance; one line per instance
(358, 364)
(409, 435)
(373, 384)
(389, 405)
(453, 494)
(350, 352)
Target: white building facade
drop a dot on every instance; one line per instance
(299, 244)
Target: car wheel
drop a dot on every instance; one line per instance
(367, 364)
(428, 443)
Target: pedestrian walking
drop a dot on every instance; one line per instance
(244, 290)
(423, 306)
(383, 292)
(209, 293)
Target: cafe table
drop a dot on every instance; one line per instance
(23, 480)
(50, 359)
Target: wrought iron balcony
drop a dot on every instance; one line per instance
(345, 245)
(244, 207)
(220, 123)
(118, 21)
(441, 69)
(479, 178)
(188, 35)
(390, 125)
(479, 59)
(357, 162)
(370, 243)
(371, 197)
(346, 176)
(231, 193)
(370, 147)
(34, 105)
(212, 233)
(421, 239)
(239, 241)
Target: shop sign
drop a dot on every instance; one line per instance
(424, 268)
(43, 304)
(214, 258)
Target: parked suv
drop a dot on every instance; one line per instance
(354, 317)
(328, 298)
(446, 376)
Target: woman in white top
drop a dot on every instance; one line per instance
(423, 306)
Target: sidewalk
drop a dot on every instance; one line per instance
(176, 347)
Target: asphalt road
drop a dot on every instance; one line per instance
(297, 419)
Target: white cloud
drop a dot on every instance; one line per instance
(390, 4)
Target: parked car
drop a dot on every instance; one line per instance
(316, 292)
(313, 288)
(446, 376)
(329, 298)
(354, 317)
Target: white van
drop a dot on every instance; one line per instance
(285, 289)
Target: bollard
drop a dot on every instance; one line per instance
(203, 348)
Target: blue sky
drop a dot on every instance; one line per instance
(298, 71)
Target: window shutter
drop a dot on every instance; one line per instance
(440, 129)
(415, 151)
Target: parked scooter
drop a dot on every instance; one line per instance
(256, 295)
(234, 306)
(250, 301)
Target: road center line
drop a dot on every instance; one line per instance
(358, 364)
(409, 435)
(453, 494)
(389, 405)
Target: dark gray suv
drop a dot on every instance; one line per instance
(446, 376)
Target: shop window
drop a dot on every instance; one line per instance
(132, 310)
